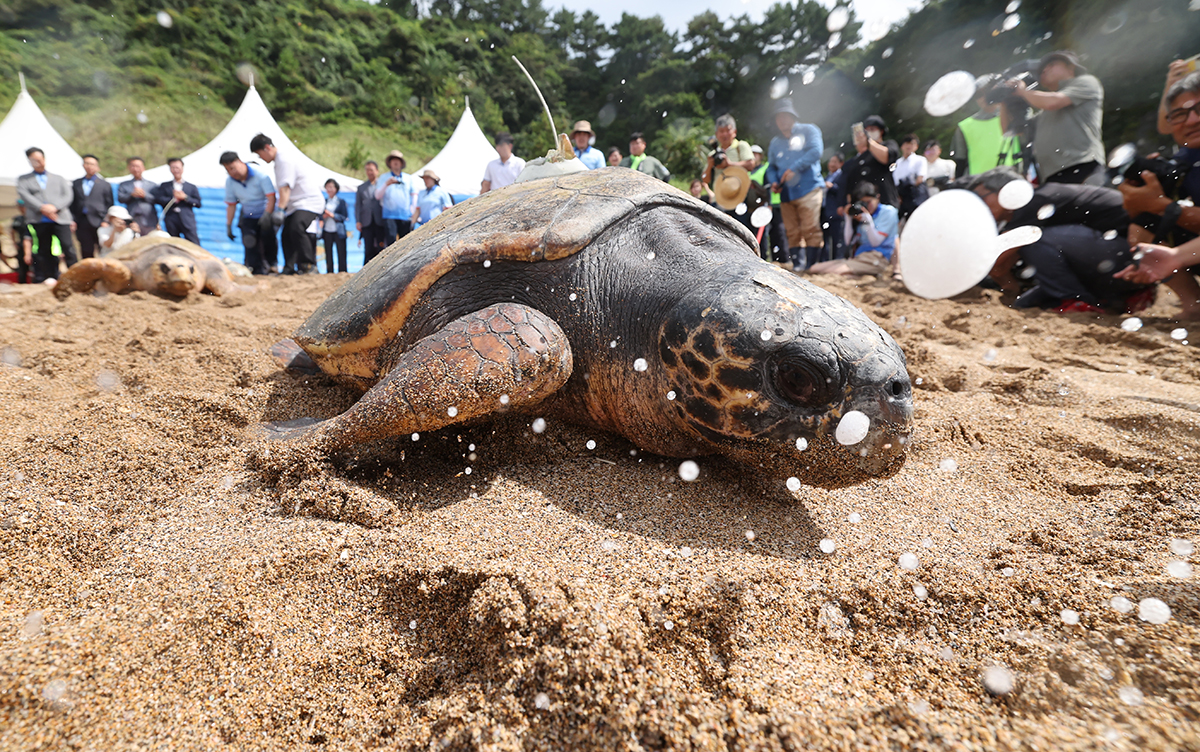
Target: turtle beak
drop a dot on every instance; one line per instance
(889, 407)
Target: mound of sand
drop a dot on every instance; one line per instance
(496, 589)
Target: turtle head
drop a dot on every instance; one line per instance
(174, 275)
(778, 373)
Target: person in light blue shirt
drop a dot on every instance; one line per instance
(875, 228)
(396, 193)
(795, 173)
(433, 200)
(582, 134)
(254, 190)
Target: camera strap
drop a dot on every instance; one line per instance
(1170, 216)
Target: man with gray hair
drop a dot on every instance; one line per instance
(1157, 213)
(730, 152)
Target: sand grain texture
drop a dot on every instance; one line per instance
(164, 586)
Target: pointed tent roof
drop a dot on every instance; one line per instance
(26, 126)
(203, 167)
(461, 162)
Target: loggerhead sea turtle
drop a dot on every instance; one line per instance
(156, 263)
(615, 301)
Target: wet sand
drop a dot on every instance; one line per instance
(159, 589)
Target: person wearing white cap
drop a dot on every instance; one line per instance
(119, 229)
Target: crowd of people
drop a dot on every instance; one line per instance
(1101, 247)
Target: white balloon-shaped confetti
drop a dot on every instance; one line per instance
(1069, 616)
(869, 71)
(689, 470)
(793, 484)
(854, 518)
(740, 209)
(1178, 334)
(1015, 194)
(947, 465)
(164, 19)
(1131, 324)
(837, 18)
(1182, 547)
(1154, 611)
(827, 546)
(949, 245)
(761, 217)
(1047, 211)
(809, 77)
(1180, 570)
(779, 87)
(640, 364)
(998, 680)
(921, 592)
(1120, 604)
(539, 425)
(801, 444)
(909, 562)
(949, 93)
(852, 428)
(1131, 696)
(541, 701)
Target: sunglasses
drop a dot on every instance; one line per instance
(1179, 115)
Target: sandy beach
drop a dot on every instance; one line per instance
(491, 588)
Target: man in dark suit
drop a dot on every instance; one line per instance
(178, 199)
(368, 213)
(47, 201)
(138, 197)
(92, 198)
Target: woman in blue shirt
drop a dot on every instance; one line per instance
(432, 201)
(333, 227)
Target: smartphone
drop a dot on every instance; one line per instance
(857, 130)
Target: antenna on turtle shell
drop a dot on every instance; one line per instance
(545, 106)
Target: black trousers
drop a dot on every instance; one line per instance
(394, 229)
(174, 227)
(372, 236)
(331, 240)
(46, 262)
(87, 237)
(1091, 173)
(1073, 262)
(835, 243)
(255, 240)
(774, 245)
(299, 248)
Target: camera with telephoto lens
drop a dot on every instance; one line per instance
(856, 209)
(1169, 173)
(718, 156)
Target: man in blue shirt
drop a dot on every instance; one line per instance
(92, 200)
(795, 173)
(255, 192)
(582, 134)
(876, 226)
(47, 199)
(396, 192)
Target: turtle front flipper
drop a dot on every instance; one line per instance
(501, 357)
(84, 275)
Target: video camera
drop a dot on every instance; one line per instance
(1169, 172)
(1003, 89)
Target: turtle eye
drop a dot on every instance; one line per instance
(191, 269)
(801, 384)
(164, 268)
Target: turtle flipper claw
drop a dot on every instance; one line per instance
(289, 355)
(285, 430)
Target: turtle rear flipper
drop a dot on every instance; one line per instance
(500, 357)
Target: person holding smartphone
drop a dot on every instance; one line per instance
(873, 162)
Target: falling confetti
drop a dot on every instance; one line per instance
(685, 552)
(909, 562)
(640, 365)
(949, 93)
(990, 355)
(779, 87)
(1016, 194)
(1182, 547)
(1154, 611)
(808, 78)
(689, 470)
(54, 691)
(10, 357)
(1069, 617)
(921, 592)
(164, 19)
(998, 680)
(750, 535)
(869, 71)
(1046, 212)
(854, 518)
(668, 625)
(1178, 334)
(827, 545)
(761, 217)
(793, 484)
(1180, 570)
(33, 624)
(837, 18)
(539, 425)
(107, 381)
(1131, 324)
(1011, 21)
(947, 466)
(968, 44)
(591, 444)
(1131, 696)
(801, 444)
(541, 701)
(852, 428)
(452, 411)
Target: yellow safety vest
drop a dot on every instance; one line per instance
(987, 146)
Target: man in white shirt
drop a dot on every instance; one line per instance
(910, 172)
(178, 198)
(503, 171)
(300, 202)
(940, 171)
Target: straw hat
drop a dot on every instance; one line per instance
(396, 154)
(119, 212)
(731, 187)
(582, 126)
(432, 175)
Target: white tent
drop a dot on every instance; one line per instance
(26, 126)
(461, 162)
(203, 168)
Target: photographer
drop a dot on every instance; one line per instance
(979, 142)
(1067, 143)
(1153, 201)
(1084, 240)
(728, 151)
(873, 162)
(875, 228)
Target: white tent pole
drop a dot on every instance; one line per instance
(22, 77)
(251, 79)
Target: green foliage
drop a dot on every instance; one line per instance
(396, 74)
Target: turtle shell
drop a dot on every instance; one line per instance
(535, 221)
(136, 247)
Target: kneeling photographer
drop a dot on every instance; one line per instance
(874, 225)
(1153, 188)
